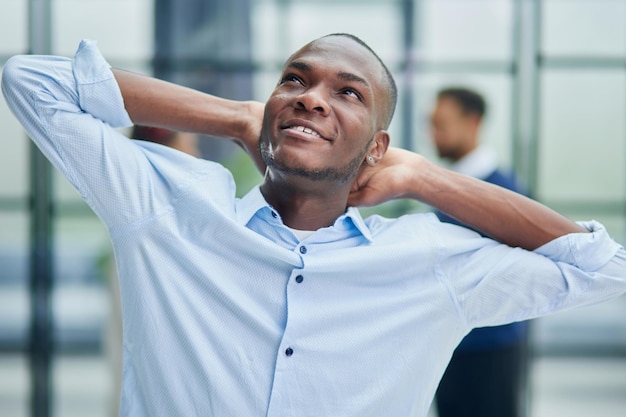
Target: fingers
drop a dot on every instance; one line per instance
(355, 200)
(365, 197)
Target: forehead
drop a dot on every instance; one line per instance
(448, 105)
(340, 55)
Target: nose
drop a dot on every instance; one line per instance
(313, 100)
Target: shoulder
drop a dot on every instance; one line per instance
(424, 226)
(163, 157)
(186, 173)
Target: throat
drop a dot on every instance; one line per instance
(306, 210)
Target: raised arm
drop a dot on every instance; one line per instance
(497, 212)
(153, 102)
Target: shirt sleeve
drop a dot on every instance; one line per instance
(71, 108)
(494, 284)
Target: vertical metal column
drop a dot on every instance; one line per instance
(408, 73)
(516, 86)
(40, 342)
(527, 91)
(405, 90)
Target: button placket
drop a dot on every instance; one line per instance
(297, 277)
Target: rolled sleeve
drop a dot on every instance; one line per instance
(71, 108)
(587, 251)
(494, 284)
(98, 91)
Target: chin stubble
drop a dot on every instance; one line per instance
(342, 174)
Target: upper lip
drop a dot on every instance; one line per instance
(307, 126)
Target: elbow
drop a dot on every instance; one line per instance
(14, 73)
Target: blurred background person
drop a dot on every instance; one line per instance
(488, 373)
(184, 142)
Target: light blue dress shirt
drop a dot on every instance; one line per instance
(227, 313)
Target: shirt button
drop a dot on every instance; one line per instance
(274, 215)
(289, 351)
(299, 279)
(303, 249)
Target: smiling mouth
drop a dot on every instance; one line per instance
(306, 130)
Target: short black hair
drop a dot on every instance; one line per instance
(392, 99)
(470, 101)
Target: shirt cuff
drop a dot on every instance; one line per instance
(98, 92)
(587, 251)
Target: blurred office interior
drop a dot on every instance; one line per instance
(552, 71)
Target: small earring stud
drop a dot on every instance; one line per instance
(370, 158)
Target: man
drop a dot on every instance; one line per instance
(487, 375)
(286, 302)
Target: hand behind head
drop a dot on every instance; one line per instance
(394, 176)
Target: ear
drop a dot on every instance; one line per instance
(378, 147)
(474, 120)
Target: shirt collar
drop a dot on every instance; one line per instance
(254, 201)
(250, 204)
(479, 163)
(355, 215)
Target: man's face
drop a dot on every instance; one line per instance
(323, 114)
(452, 129)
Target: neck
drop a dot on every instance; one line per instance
(306, 204)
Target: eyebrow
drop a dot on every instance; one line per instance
(299, 65)
(346, 76)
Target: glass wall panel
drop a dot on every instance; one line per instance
(13, 27)
(378, 24)
(396, 129)
(263, 83)
(14, 314)
(63, 190)
(279, 30)
(582, 131)
(79, 243)
(14, 298)
(81, 387)
(14, 385)
(269, 46)
(14, 246)
(465, 29)
(584, 27)
(14, 155)
(80, 303)
(123, 28)
(591, 330)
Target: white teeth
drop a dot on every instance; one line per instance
(306, 130)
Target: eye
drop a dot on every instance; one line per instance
(352, 93)
(291, 78)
